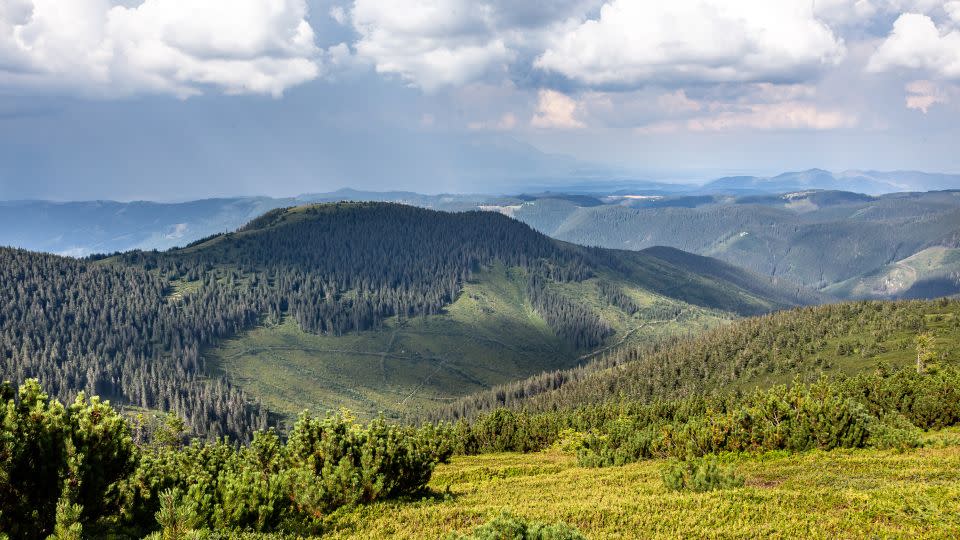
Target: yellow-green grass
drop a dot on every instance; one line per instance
(490, 335)
(838, 494)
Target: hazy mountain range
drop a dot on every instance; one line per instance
(85, 227)
(843, 234)
(871, 182)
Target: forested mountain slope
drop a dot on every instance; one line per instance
(813, 238)
(142, 327)
(750, 353)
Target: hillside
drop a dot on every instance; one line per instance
(751, 353)
(814, 238)
(378, 307)
(934, 271)
(872, 453)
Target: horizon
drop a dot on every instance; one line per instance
(575, 186)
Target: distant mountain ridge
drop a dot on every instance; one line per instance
(869, 182)
(812, 237)
(83, 227)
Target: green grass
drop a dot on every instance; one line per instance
(490, 335)
(181, 287)
(838, 494)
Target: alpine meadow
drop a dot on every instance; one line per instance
(440, 269)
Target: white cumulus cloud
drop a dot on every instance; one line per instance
(440, 43)
(682, 41)
(180, 47)
(916, 43)
(431, 43)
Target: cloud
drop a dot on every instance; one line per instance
(555, 111)
(677, 102)
(953, 10)
(915, 43)
(695, 41)
(790, 115)
(921, 95)
(844, 12)
(180, 47)
(339, 14)
(433, 44)
(861, 13)
(429, 44)
(775, 116)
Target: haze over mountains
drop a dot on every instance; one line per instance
(813, 228)
(870, 182)
(79, 228)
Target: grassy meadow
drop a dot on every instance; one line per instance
(490, 335)
(836, 494)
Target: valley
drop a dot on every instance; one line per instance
(489, 335)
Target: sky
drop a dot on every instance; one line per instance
(180, 99)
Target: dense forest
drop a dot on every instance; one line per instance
(745, 354)
(110, 330)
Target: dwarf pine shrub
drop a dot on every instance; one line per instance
(700, 475)
(67, 471)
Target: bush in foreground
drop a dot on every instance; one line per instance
(76, 470)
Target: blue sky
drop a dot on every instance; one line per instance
(176, 99)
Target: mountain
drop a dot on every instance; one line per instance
(871, 182)
(81, 228)
(814, 238)
(906, 180)
(376, 306)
